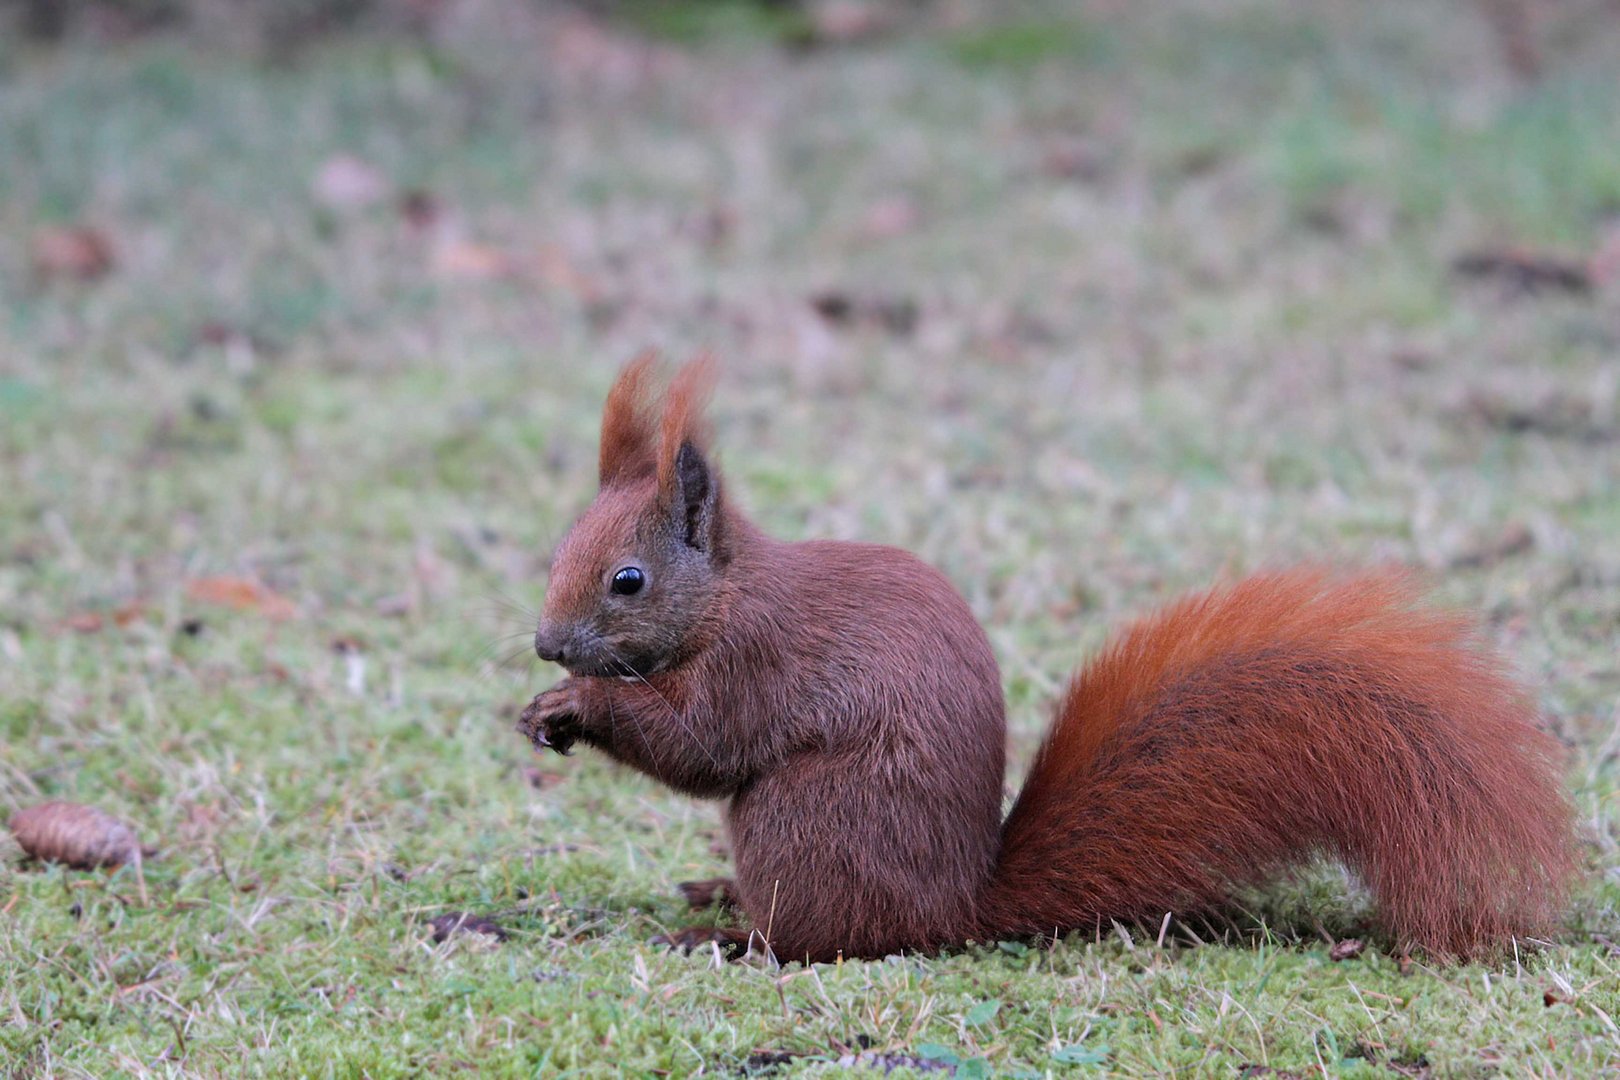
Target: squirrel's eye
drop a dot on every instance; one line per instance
(628, 580)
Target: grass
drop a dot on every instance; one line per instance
(1184, 310)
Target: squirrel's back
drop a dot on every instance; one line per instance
(1241, 730)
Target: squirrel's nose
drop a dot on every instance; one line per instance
(548, 645)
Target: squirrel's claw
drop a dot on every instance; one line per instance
(544, 729)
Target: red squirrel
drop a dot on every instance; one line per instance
(844, 700)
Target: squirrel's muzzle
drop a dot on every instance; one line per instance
(550, 643)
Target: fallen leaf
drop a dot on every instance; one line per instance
(585, 49)
(468, 261)
(460, 922)
(891, 217)
(896, 314)
(1605, 261)
(557, 270)
(541, 779)
(1516, 539)
(1074, 159)
(712, 227)
(90, 622)
(1347, 949)
(1550, 998)
(344, 182)
(243, 594)
(1559, 415)
(421, 209)
(80, 252)
(846, 22)
(1526, 271)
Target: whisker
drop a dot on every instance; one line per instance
(496, 667)
(500, 604)
(641, 731)
(679, 719)
(500, 642)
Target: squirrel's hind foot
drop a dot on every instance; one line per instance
(734, 943)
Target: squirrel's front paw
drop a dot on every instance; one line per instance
(551, 720)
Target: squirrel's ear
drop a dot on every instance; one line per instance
(697, 498)
(687, 484)
(627, 424)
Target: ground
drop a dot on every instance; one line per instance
(1086, 305)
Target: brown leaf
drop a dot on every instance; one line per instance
(79, 836)
(243, 594)
(541, 779)
(891, 217)
(468, 261)
(1074, 159)
(72, 251)
(344, 182)
(460, 922)
(1516, 539)
(559, 271)
(1558, 415)
(85, 622)
(91, 622)
(896, 314)
(1605, 261)
(421, 209)
(1526, 271)
(845, 22)
(1347, 949)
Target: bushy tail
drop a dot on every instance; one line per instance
(1244, 729)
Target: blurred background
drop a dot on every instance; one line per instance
(307, 309)
(1078, 299)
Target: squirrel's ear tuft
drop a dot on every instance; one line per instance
(627, 450)
(687, 485)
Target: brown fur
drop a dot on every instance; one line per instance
(627, 424)
(1242, 730)
(683, 421)
(845, 702)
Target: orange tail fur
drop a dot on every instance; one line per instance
(1242, 730)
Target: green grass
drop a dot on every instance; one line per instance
(1229, 340)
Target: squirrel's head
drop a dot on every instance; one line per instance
(636, 581)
